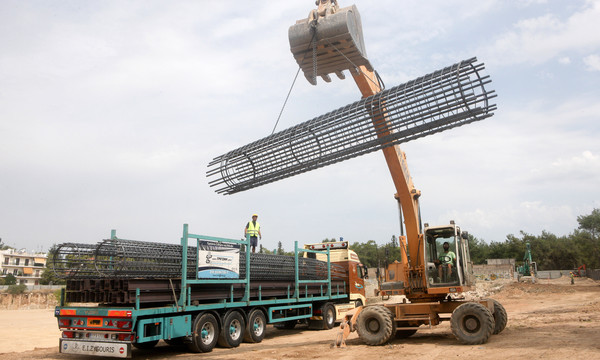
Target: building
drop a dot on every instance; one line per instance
(27, 268)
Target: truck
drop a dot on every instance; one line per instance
(122, 294)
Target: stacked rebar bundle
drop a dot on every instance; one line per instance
(123, 259)
(447, 98)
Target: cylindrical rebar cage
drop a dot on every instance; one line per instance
(447, 98)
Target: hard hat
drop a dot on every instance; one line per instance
(253, 215)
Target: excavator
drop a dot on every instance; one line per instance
(435, 266)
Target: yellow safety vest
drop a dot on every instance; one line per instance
(253, 229)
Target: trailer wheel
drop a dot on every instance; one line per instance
(500, 317)
(205, 333)
(472, 323)
(232, 332)
(255, 329)
(145, 345)
(375, 325)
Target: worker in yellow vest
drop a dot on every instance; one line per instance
(253, 229)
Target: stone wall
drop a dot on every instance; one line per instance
(28, 300)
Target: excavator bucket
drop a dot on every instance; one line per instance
(329, 43)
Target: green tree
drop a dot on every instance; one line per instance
(50, 278)
(590, 222)
(10, 279)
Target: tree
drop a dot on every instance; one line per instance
(279, 248)
(10, 279)
(50, 278)
(590, 222)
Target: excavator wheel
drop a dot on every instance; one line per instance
(472, 323)
(375, 325)
(500, 317)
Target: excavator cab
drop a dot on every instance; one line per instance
(329, 40)
(447, 258)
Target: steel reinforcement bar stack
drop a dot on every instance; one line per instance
(121, 259)
(447, 98)
(112, 270)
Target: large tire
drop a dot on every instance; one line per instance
(328, 312)
(328, 318)
(472, 323)
(256, 326)
(145, 345)
(375, 325)
(205, 332)
(500, 317)
(232, 332)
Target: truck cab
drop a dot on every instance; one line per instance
(451, 267)
(341, 255)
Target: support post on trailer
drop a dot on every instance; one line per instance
(298, 281)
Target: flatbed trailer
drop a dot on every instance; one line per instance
(238, 312)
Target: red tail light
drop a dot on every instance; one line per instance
(64, 322)
(67, 334)
(124, 324)
(125, 337)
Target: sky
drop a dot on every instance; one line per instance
(110, 112)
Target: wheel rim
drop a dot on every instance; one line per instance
(207, 334)
(373, 326)
(235, 329)
(330, 318)
(471, 324)
(258, 326)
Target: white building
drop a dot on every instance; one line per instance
(27, 268)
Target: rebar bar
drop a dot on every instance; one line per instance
(444, 99)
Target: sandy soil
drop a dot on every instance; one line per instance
(548, 320)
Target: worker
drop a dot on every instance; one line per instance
(445, 261)
(253, 229)
(572, 278)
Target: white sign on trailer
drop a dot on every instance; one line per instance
(118, 350)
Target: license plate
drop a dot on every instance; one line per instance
(97, 336)
(96, 348)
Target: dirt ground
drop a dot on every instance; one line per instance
(547, 320)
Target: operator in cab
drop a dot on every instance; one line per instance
(445, 261)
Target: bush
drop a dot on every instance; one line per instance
(16, 289)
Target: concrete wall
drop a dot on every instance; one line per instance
(493, 272)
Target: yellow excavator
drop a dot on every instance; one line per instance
(435, 265)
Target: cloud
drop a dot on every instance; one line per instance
(538, 39)
(565, 60)
(592, 62)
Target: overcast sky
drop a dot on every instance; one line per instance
(111, 110)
